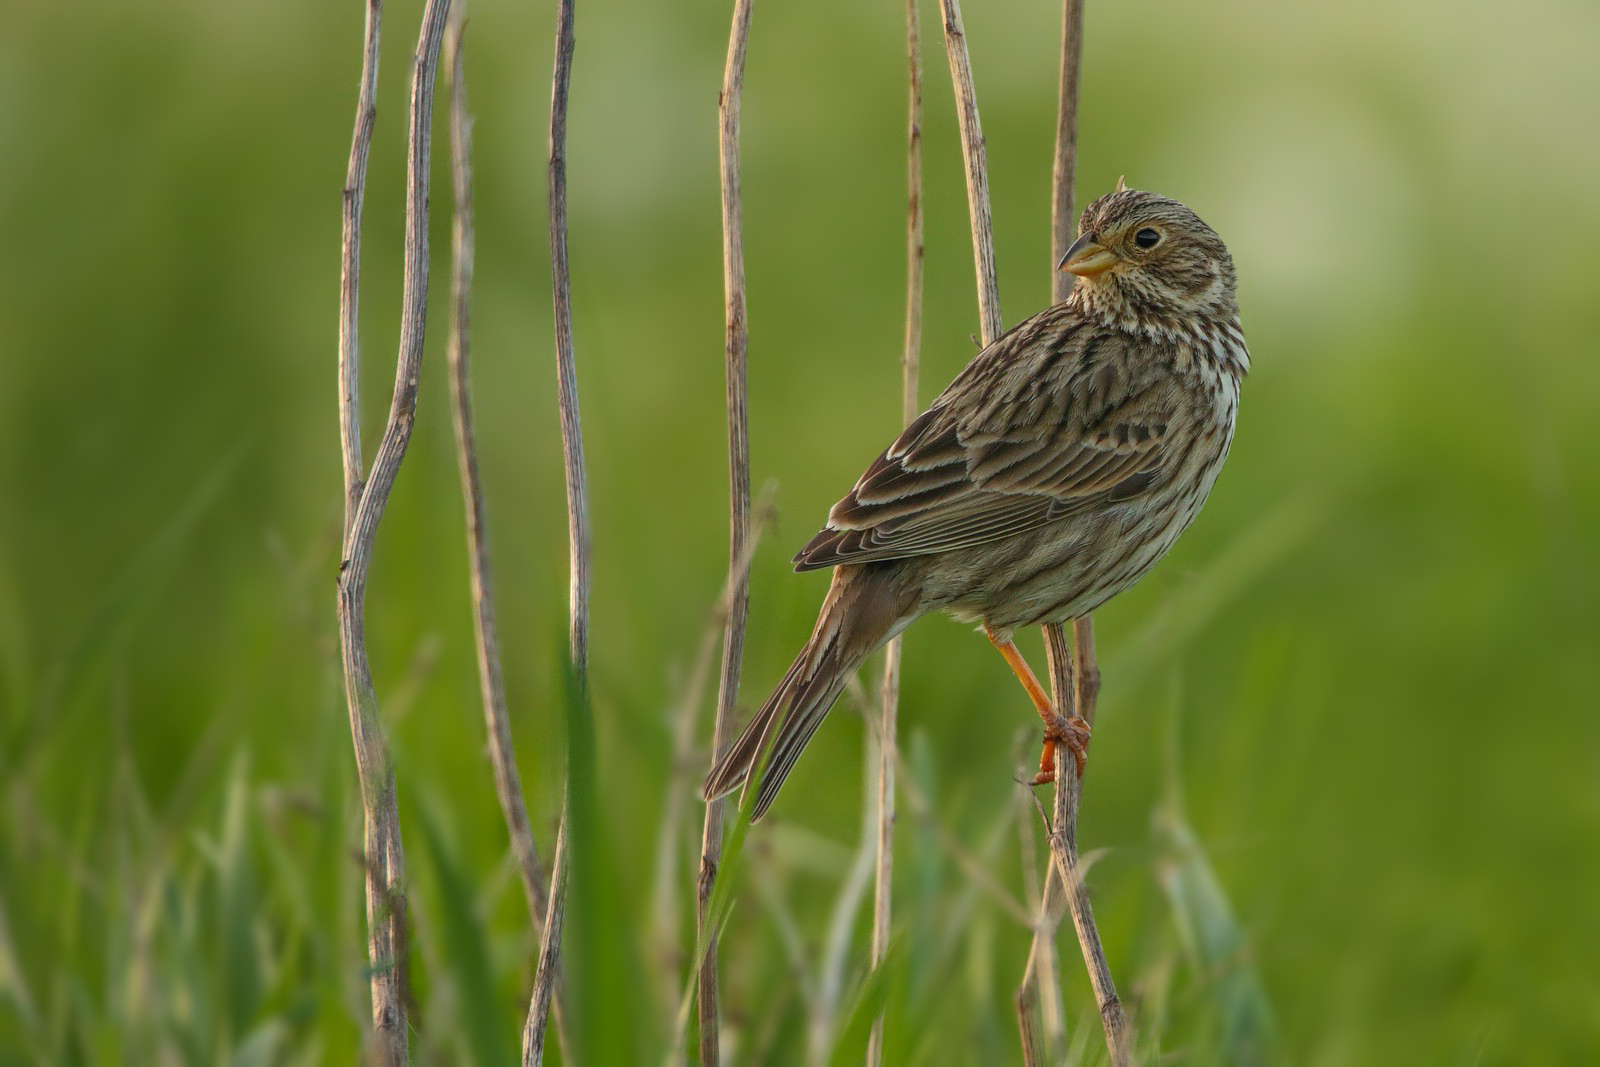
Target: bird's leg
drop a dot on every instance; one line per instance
(1073, 732)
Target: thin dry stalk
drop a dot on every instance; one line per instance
(977, 165)
(497, 719)
(1078, 686)
(1040, 979)
(547, 974)
(910, 365)
(1064, 853)
(1064, 173)
(737, 358)
(384, 854)
(355, 192)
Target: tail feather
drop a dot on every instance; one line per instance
(743, 755)
(852, 625)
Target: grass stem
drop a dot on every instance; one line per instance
(365, 502)
(737, 349)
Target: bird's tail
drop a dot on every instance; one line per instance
(864, 608)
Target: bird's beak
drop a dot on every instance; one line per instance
(1087, 257)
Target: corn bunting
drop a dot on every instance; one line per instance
(1052, 474)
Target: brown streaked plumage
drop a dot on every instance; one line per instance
(1057, 468)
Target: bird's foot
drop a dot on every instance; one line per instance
(1074, 733)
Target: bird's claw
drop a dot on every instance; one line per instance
(1074, 733)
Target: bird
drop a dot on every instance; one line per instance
(1056, 469)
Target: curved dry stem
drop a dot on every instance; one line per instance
(977, 167)
(911, 362)
(491, 676)
(1074, 690)
(548, 973)
(1071, 692)
(737, 359)
(383, 853)
(1064, 173)
(355, 191)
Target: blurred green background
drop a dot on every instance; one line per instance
(1347, 775)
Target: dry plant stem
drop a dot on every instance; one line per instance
(1080, 685)
(1064, 853)
(497, 719)
(1063, 228)
(355, 190)
(566, 362)
(1066, 683)
(547, 975)
(384, 854)
(1073, 690)
(549, 969)
(910, 364)
(975, 157)
(737, 353)
(1039, 984)
(1063, 225)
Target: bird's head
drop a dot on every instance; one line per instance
(1147, 259)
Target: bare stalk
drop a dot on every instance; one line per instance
(365, 503)
(1040, 977)
(1064, 173)
(1064, 852)
(1062, 231)
(547, 974)
(910, 365)
(355, 191)
(1080, 686)
(497, 719)
(737, 358)
(977, 165)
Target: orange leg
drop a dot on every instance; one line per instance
(1073, 732)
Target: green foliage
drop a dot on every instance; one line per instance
(1371, 665)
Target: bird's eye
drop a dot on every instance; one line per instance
(1147, 238)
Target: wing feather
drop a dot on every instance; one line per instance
(1045, 421)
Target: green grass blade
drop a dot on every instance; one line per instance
(483, 1021)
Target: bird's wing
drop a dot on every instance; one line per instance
(1020, 439)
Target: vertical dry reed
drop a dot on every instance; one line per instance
(1080, 685)
(497, 718)
(1063, 837)
(548, 972)
(491, 676)
(736, 357)
(365, 500)
(911, 361)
